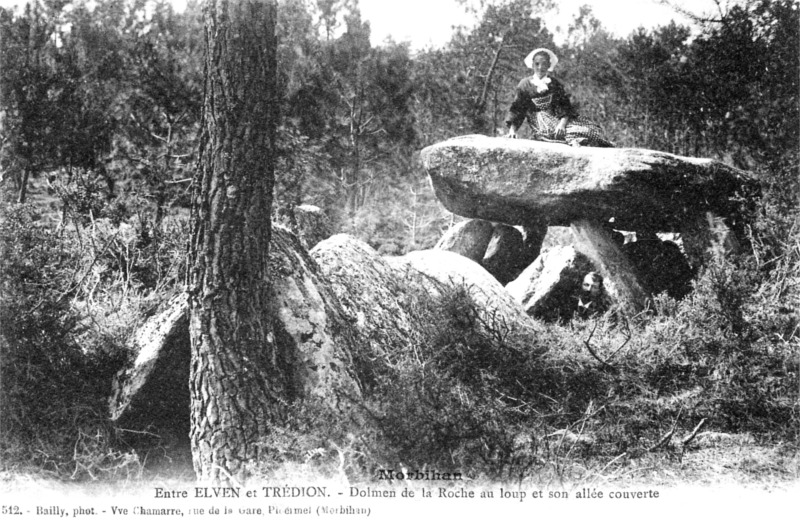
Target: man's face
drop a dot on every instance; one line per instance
(590, 285)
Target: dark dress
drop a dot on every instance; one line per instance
(545, 109)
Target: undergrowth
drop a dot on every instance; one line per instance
(603, 398)
(598, 399)
(70, 296)
(606, 395)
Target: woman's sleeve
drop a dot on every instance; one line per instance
(519, 108)
(562, 106)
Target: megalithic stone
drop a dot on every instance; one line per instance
(517, 182)
(620, 278)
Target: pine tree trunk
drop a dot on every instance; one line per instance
(238, 380)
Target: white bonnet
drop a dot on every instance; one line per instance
(553, 58)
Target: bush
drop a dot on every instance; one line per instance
(458, 402)
(733, 341)
(53, 391)
(83, 198)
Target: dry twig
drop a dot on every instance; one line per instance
(689, 438)
(666, 438)
(604, 362)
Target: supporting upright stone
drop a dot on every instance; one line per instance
(708, 232)
(548, 289)
(660, 265)
(620, 279)
(533, 236)
(504, 257)
(469, 239)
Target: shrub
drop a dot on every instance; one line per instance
(83, 198)
(456, 403)
(733, 341)
(53, 391)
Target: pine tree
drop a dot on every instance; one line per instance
(237, 380)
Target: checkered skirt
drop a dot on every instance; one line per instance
(579, 129)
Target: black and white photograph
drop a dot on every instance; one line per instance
(392, 259)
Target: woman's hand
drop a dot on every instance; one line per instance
(512, 132)
(561, 128)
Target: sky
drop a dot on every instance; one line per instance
(429, 22)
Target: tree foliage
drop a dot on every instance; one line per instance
(466, 87)
(730, 91)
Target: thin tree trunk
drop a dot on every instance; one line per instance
(238, 381)
(480, 104)
(23, 188)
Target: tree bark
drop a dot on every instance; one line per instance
(238, 380)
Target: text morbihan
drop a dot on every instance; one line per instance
(393, 474)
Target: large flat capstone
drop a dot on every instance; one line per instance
(523, 182)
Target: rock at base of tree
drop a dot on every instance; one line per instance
(374, 298)
(153, 393)
(309, 322)
(313, 225)
(620, 278)
(549, 288)
(340, 299)
(469, 239)
(505, 256)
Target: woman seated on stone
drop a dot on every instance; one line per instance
(543, 100)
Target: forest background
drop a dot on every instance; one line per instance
(100, 119)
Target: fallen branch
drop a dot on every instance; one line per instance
(666, 438)
(627, 333)
(615, 459)
(593, 353)
(689, 438)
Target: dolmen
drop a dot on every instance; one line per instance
(603, 195)
(542, 222)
